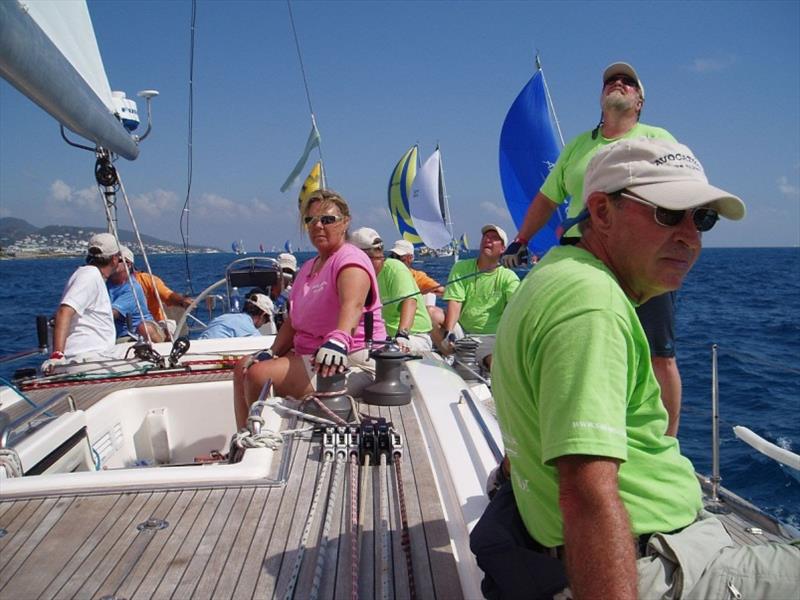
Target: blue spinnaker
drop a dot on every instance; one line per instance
(528, 150)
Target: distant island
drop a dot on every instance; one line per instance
(20, 239)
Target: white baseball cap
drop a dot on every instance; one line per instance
(623, 68)
(262, 301)
(366, 238)
(287, 262)
(403, 248)
(498, 229)
(103, 245)
(127, 253)
(663, 172)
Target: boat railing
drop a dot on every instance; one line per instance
(7, 425)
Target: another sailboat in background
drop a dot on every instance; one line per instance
(418, 204)
(237, 247)
(528, 150)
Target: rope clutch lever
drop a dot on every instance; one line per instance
(179, 348)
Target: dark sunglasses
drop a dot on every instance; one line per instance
(625, 79)
(324, 219)
(704, 218)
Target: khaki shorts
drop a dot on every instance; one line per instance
(360, 374)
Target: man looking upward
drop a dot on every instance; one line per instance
(621, 101)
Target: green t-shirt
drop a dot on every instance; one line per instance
(395, 281)
(571, 374)
(483, 297)
(566, 177)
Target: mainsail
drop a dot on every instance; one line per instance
(528, 150)
(427, 204)
(399, 192)
(49, 52)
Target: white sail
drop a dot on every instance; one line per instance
(425, 206)
(49, 52)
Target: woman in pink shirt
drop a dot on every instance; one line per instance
(324, 332)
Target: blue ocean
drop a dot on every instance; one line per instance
(747, 301)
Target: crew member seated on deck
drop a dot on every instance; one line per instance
(407, 320)
(324, 334)
(257, 311)
(403, 250)
(121, 289)
(288, 265)
(597, 482)
(155, 289)
(84, 323)
(477, 292)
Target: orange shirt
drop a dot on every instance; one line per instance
(153, 288)
(425, 283)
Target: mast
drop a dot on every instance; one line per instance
(448, 223)
(549, 99)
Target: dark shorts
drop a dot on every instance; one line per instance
(515, 566)
(657, 316)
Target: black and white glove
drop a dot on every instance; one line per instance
(516, 254)
(333, 354)
(401, 338)
(449, 341)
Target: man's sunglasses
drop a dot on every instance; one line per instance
(704, 218)
(625, 79)
(324, 219)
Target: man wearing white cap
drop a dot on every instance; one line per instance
(403, 250)
(288, 265)
(477, 292)
(257, 311)
(597, 481)
(128, 298)
(621, 101)
(84, 322)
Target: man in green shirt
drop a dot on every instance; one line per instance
(621, 101)
(595, 478)
(404, 312)
(477, 292)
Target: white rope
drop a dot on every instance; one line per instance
(9, 460)
(326, 466)
(326, 527)
(265, 439)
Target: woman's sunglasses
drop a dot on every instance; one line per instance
(704, 218)
(324, 219)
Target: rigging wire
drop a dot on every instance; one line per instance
(323, 182)
(185, 211)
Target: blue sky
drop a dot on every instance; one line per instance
(723, 77)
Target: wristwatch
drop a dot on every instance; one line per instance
(404, 333)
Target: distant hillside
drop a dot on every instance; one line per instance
(18, 237)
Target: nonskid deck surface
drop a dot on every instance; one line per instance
(238, 541)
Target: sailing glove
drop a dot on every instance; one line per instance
(332, 353)
(56, 359)
(401, 339)
(449, 341)
(516, 254)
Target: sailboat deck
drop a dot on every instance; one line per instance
(238, 541)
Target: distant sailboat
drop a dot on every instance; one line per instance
(399, 192)
(528, 151)
(429, 209)
(261, 248)
(462, 243)
(238, 247)
(287, 246)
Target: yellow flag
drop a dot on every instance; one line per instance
(312, 184)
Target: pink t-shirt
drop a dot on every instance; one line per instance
(315, 301)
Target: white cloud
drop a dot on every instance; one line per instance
(155, 203)
(218, 208)
(710, 65)
(494, 210)
(63, 196)
(787, 189)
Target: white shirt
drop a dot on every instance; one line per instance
(92, 328)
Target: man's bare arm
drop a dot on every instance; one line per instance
(539, 212)
(64, 316)
(600, 554)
